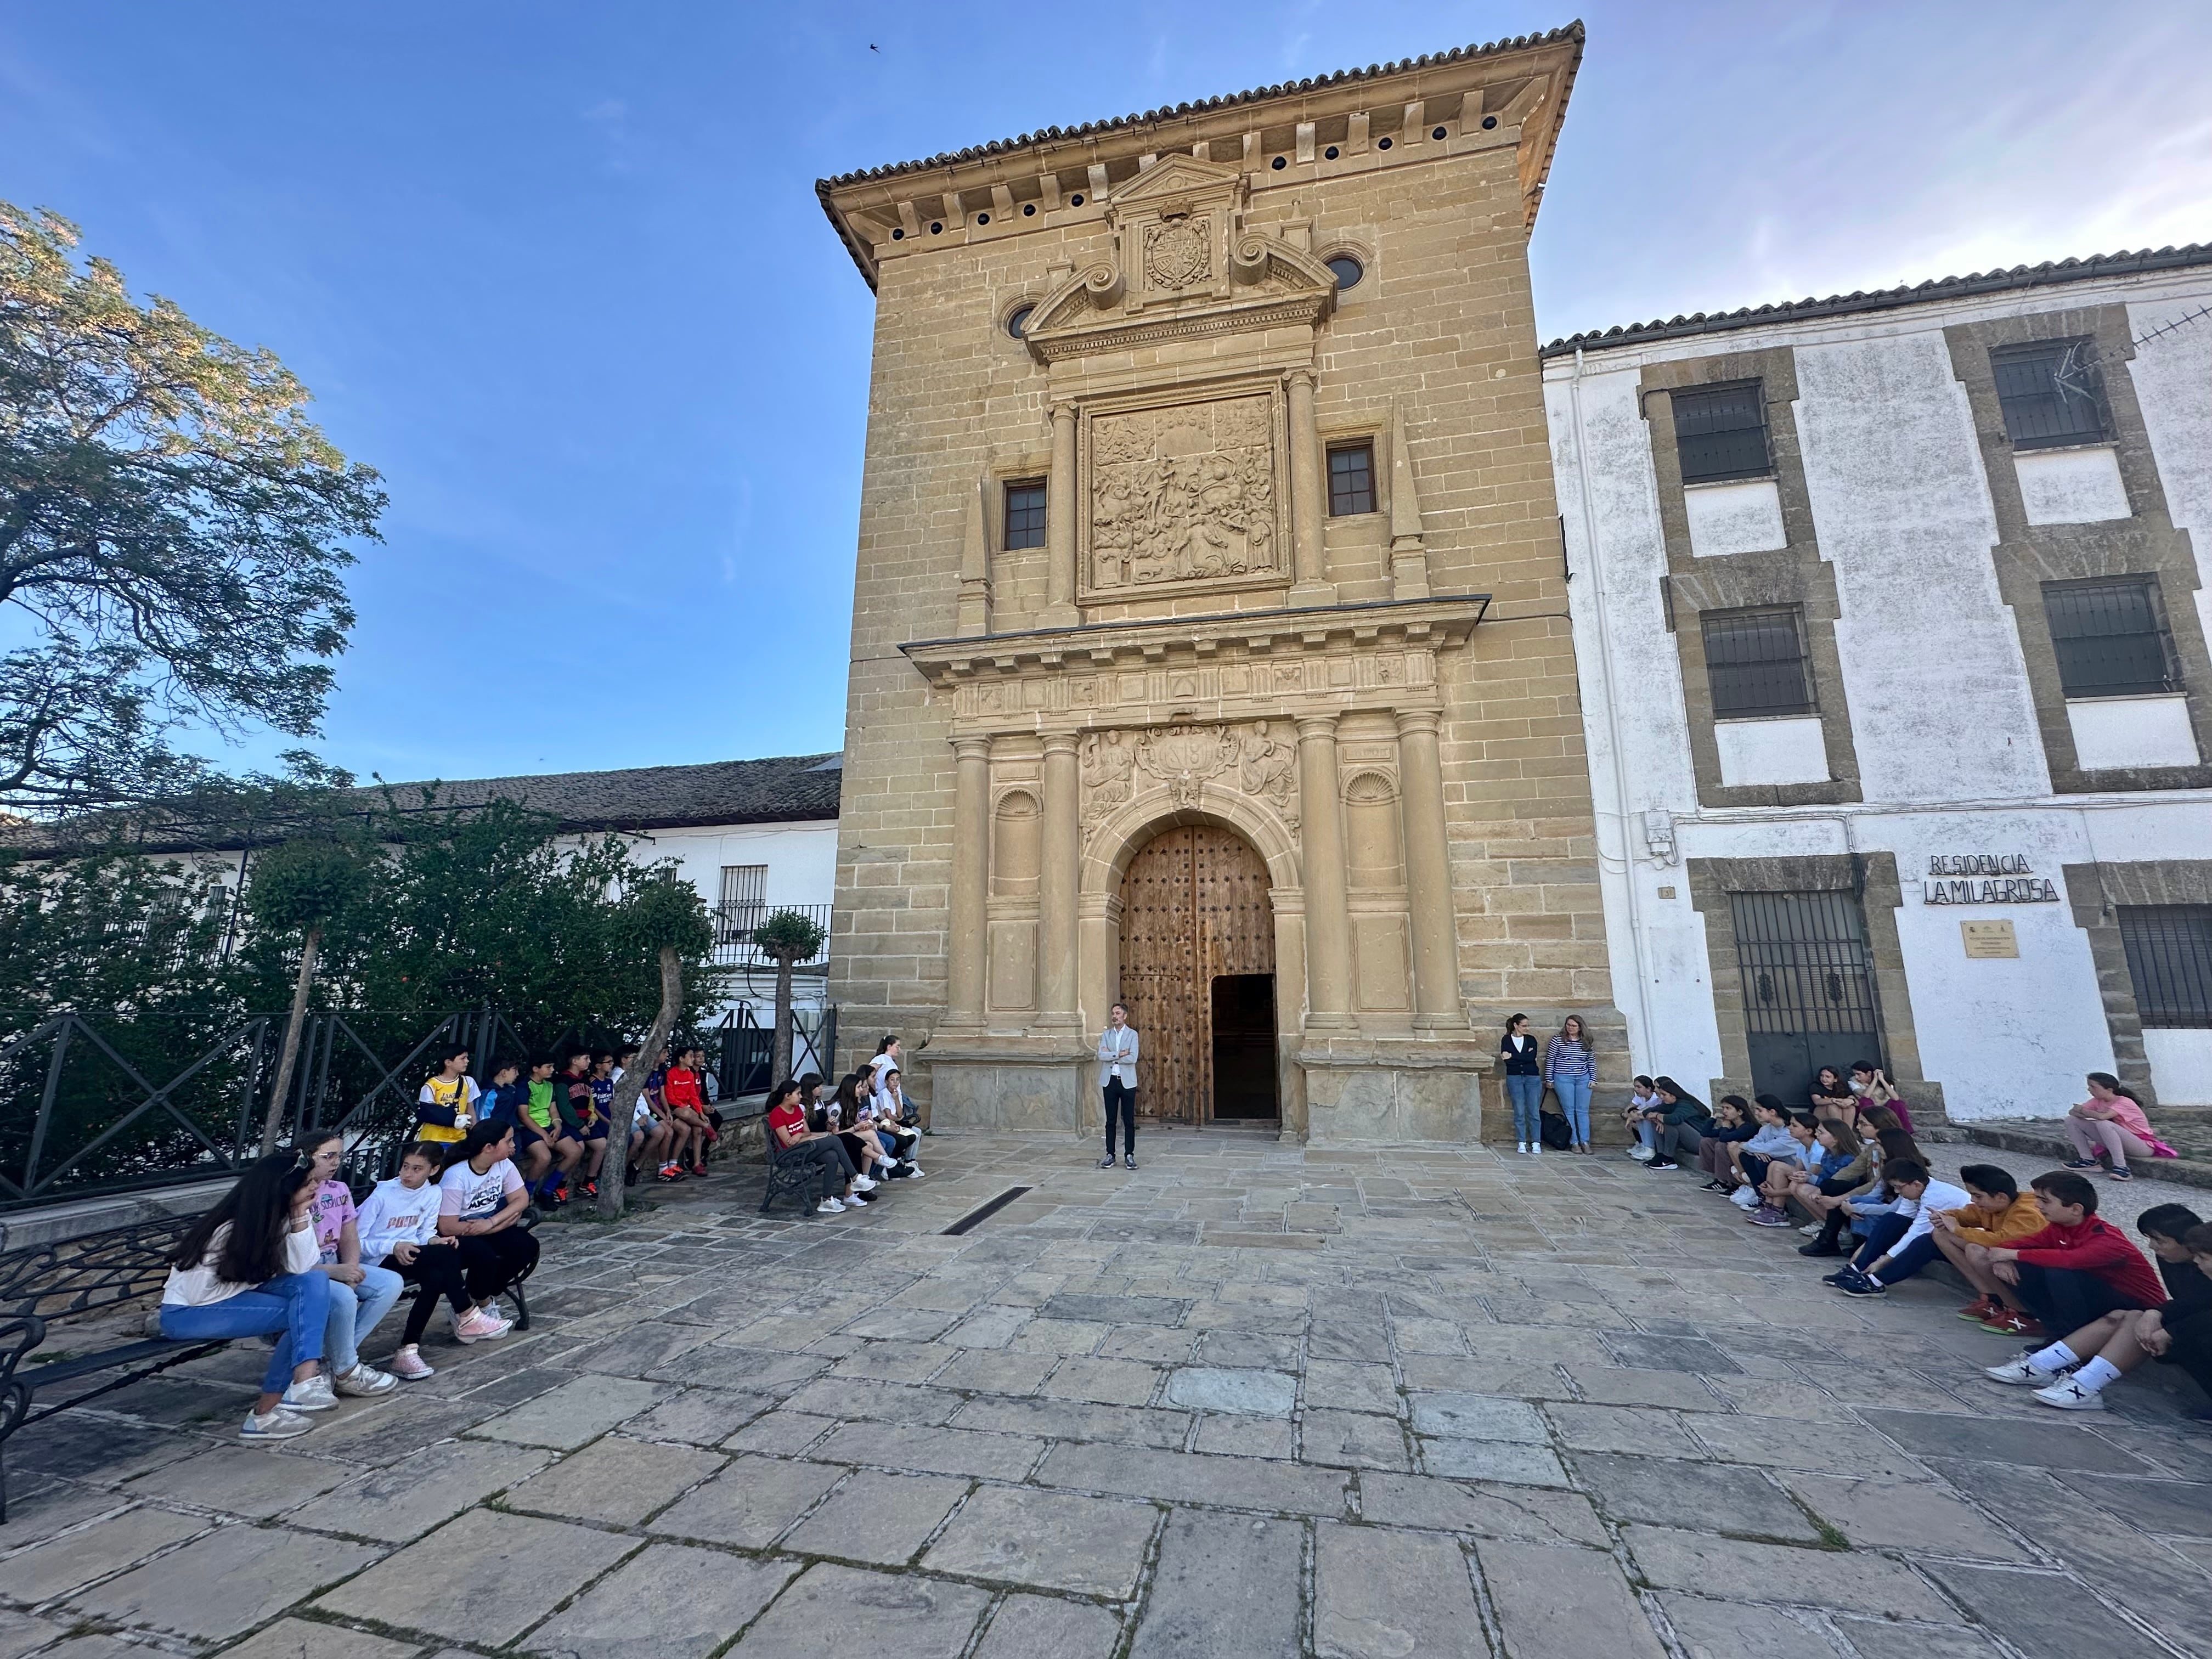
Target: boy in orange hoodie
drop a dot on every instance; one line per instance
(2000, 1214)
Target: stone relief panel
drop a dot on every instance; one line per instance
(1179, 250)
(1257, 759)
(1184, 495)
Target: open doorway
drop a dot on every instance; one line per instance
(1244, 1046)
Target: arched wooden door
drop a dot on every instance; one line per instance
(1198, 937)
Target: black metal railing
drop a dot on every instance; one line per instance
(743, 1048)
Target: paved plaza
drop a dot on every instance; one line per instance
(1249, 1400)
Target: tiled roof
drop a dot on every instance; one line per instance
(2050, 273)
(1257, 94)
(784, 789)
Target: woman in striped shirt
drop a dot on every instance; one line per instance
(1569, 1068)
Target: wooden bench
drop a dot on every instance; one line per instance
(100, 1273)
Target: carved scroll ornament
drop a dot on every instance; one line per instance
(1250, 759)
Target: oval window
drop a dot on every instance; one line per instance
(1348, 270)
(1019, 320)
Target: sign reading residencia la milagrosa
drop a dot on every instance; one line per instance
(1985, 878)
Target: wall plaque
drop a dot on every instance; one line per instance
(1989, 941)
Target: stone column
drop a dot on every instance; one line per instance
(969, 946)
(1063, 848)
(1060, 504)
(1428, 873)
(1308, 561)
(1328, 922)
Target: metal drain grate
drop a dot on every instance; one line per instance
(977, 1217)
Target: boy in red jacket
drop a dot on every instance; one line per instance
(2078, 1268)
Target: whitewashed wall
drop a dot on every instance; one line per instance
(1942, 716)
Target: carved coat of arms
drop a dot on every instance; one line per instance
(1178, 251)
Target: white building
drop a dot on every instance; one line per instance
(1890, 611)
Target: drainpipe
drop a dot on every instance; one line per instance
(1644, 1028)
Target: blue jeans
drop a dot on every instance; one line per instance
(1527, 1094)
(1574, 1094)
(1648, 1132)
(355, 1310)
(295, 1305)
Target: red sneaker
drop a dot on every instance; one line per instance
(2007, 1322)
(590, 1189)
(1980, 1308)
(700, 1168)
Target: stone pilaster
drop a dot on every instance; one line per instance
(971, 870)
(1309, 559)
(1063, 834)
(1328, 921)
(1428, 873)
(1061, 503)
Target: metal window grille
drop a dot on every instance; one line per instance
(2050, 392)
(1720, 433)
(1025, 515)
(744, 902)
(2169, 949)
(1351, 479)
(1805, 962)
(2110, 635)
(1755, 663)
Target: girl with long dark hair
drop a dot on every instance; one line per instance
(247, 1268)
(1525, 1084)
(2113, 1122)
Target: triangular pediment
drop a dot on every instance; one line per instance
(1173, 176)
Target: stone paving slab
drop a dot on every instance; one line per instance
(1089, 1428)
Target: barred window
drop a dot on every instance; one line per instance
(2169, 949)
(1720, 432)
(2110, 634)
(1026, 512)
(743, 906)
(2051, 392)
(1351, 478)
(1755, 663)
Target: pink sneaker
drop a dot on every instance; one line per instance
(408, 1366)
(481, 1326)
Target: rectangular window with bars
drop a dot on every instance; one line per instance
(2110, 634)
(1351, 478)
(1755, 663)
(744, 902)
(2169, 949)
(2050, 393)
(1025, 514)
(1720, 432)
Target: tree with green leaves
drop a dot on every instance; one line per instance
(786, 938)
(663, 915)
(173, 534)
(303, 887)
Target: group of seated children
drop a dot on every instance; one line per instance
(286, 1253)
(864, 1134)
(2044, 1261)
(562, 1114)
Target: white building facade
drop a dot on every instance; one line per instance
(1891, 616)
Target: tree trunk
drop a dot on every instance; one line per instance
(273, 1124)
(614, 1171)
(779, 1065)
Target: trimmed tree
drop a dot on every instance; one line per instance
(787, 939)
(664, 920)
(301, 887)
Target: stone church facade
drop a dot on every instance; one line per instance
(1210, 649)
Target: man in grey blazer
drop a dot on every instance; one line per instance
(1117, 1080)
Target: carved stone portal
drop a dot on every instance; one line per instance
(1183, 494)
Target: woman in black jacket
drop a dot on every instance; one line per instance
(1525, 1084)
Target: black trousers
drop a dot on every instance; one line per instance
(2193, 1347)
(829, 1151)
(1122, 1099)
(2066, 1298)
(492, 1261)
(436, 1272)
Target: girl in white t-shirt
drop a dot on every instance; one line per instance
(481, 1199)
(247, 1267)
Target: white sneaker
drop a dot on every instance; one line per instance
(1815, 1230)
(313, 1395)
(481, 1326)
(2070, 1396)
(864, 1184)
(854, 1202)
(1641, 1153)
(914, 1172)
(1744, 1199)
(1521, 1147)
(2019, 1373)
(1535, 1149)
(830, 1205)
(365, 1381)
(278, 1424)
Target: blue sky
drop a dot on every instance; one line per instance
(558, 271)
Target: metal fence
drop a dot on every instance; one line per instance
(743, 1048)
(733, 935)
